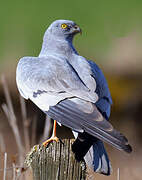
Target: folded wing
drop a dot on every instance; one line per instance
(47, 81)
(82, 116)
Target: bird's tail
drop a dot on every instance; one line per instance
(93, 151)
(97, 158)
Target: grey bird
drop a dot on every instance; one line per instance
(73, 91)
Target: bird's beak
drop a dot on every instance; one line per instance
(76, 29)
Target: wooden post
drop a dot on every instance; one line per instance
(56, 162)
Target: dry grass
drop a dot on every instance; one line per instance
(24, 144)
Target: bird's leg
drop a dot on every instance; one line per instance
(53, 137)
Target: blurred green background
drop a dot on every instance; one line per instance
(112, 37)
(23, 23)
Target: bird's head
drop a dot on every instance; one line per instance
(63, 29)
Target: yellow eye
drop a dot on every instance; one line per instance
(64, 26)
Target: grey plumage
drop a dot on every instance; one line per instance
(90, 120)
(70, 89)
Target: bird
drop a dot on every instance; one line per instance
(74, 92)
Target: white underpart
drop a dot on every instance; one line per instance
(43, 101)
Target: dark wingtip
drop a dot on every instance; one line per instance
(128, 148)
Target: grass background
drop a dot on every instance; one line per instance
(22, 24)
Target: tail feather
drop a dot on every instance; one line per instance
(94, 153)
(101, 163)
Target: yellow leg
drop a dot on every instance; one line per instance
(53, 137)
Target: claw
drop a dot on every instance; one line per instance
(53, 137)
(45, 143)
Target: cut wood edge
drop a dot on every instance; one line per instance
(56, 161)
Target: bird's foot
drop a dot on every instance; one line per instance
(54, 138)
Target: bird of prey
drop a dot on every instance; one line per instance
(73, 91)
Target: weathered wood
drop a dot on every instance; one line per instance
(56, 162)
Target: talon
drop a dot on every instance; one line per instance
(45, 143)
(53, 137)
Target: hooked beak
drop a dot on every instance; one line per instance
(76, 29)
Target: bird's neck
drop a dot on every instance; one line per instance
(55, 45)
